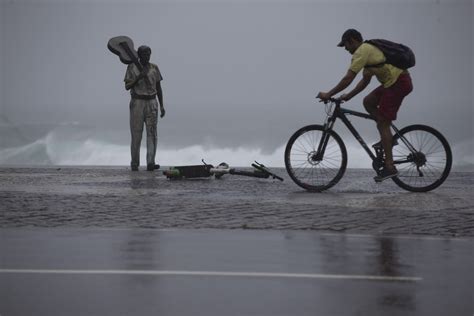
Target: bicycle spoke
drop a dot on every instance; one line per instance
(428, 166)
(305, 168)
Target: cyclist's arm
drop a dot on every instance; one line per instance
(344, 83)
(363, 83)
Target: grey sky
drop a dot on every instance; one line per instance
(236, 73)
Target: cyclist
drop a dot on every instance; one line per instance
(383, 102)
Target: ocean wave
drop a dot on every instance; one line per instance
(69, 144)
(76, 146)
(72, 144)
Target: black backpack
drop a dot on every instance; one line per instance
(399, 55)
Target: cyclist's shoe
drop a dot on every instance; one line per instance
(378, 145)
(386, 174)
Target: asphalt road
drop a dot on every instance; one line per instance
(231, 272)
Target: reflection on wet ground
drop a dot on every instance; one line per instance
(239, 272)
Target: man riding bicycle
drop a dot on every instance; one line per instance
(384, 101)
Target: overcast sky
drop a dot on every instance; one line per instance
(236, 73)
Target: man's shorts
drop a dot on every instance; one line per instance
(390, 99)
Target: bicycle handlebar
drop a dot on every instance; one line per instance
(332, 100)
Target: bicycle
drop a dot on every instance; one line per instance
(316, 156)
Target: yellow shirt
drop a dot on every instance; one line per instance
(367, 55)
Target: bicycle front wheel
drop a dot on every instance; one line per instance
(427, 164)
(305, 168)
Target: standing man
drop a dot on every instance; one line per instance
(144, 87)
(383, 102)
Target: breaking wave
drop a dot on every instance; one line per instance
(75, 145)
(69, 145)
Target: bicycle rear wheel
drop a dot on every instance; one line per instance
(302, 164)
(428, 166)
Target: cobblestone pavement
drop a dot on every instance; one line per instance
(118, 198)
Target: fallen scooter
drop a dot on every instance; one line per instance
(206, 170)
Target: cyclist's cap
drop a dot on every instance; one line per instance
(350, 33)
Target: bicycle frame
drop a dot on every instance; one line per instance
(341, 113)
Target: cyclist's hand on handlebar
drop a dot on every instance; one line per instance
(324, 96)
(344, 97)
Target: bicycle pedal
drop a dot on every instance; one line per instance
(379, 146)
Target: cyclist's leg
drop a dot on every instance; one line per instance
(390, 102)
(389, 170)
(383, 125)
(371, 104)
(372, 100)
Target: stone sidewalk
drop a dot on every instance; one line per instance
(117, 198)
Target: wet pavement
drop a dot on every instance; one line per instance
(108, 241)
(118, 198)
(231, 272)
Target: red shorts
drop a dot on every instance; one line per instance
(389, 99)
